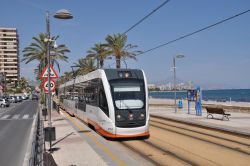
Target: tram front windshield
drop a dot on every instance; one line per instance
(128, 96)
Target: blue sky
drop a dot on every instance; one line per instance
(219, 57)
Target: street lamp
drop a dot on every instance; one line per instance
(176, 56)
(60, 14)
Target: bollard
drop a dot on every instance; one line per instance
(58, 108)
(44, 113)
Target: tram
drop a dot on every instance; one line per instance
(112, 101)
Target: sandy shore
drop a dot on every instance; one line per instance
(229, 106)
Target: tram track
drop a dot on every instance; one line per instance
(176, 143)
(154, 154)
(199, 132)
(226, 143)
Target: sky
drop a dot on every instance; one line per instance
(215, 58)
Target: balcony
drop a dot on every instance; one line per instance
(11, 71)
(8, 37)
(9, 54)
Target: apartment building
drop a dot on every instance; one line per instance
(9, 55)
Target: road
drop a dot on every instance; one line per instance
(15, 126)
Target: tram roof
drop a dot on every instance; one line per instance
(80, 81)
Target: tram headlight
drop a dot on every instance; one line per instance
(142, 116)
(120, 75)
(118, 116)
(124, 74)
(127, 75)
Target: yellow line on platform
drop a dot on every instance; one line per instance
(103, 147)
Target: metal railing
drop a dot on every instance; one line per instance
(36, 155)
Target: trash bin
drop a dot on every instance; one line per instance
(58, 108)
(180, 105)
(49, 134)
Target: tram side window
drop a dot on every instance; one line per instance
(91, 92)
(103, 104)
(81, 100)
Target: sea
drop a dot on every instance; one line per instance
(238, 95)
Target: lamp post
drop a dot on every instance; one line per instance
(60, 14)
(176, 56)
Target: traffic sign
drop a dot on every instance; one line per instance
(45, 72)
(45, 86)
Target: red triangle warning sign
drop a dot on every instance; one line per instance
(45, 72)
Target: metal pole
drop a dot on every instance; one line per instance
(98, 63)
(48, 57)
(175, 108)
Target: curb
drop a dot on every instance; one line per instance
(30, 143)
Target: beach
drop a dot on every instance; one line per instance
(227, 106)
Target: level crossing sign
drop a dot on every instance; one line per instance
(45, 72)
(45, 86)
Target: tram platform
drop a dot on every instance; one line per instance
(69, 148)
(237, 123)
(76, 144)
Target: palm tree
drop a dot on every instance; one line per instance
(37, 50)
(119, 49)
(67, 76)
(85, 65)
(23, 83)
(99, 52)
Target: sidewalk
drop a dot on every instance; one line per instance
(238, 122)
(70, 149)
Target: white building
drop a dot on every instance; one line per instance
(9, 55)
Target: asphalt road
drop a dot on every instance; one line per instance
(15, 126)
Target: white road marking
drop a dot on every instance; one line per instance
(5, 116)
(26, 116)
(34, 116)
(16, 116)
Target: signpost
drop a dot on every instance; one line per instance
(49, 86)
(198, 103)
(44, 77)
(45, 86)
(196, 96)
(46, 72)
(191, 96)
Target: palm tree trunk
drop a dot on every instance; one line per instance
(118, 63)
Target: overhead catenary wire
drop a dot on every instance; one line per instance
(195, 32)
(192, 33)
(144, 18)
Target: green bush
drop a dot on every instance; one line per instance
(18, 90)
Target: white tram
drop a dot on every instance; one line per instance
(113, 101)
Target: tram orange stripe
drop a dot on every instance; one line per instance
(105, 133)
